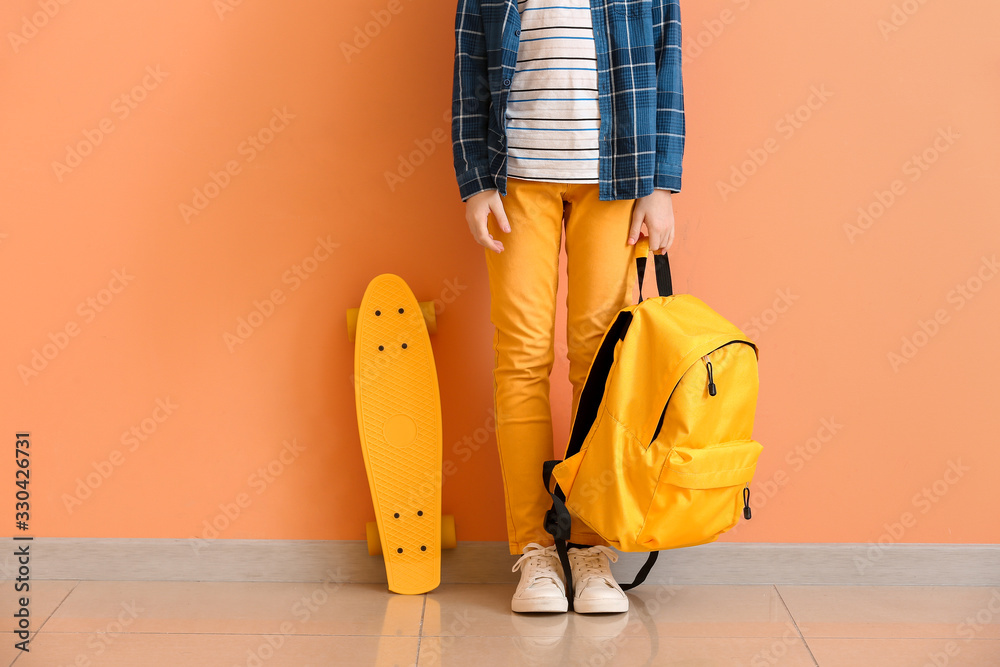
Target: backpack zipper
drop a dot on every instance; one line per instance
(711, 384)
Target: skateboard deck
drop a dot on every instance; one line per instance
(399, 423)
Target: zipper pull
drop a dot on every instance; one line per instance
(711, 381)
(746, 501)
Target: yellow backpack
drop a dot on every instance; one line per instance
(660, 454)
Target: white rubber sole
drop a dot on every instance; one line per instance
(543, 605)
(600, 606)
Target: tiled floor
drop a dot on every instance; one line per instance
(146, 623)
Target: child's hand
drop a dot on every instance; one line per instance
(477, 210)
(657, 211)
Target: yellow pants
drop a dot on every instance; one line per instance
(523, 282)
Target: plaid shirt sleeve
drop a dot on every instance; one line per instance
(669, 95)
(470, 102)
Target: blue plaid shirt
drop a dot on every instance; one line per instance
(640, 94)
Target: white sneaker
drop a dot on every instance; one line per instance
(542, 586)
(594, 587)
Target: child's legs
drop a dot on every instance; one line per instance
(523, 282)
(523, 285)
(601, 274)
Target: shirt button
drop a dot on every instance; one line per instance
(517, 32)
(506, 82)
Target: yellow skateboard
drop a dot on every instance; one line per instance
(399, 422)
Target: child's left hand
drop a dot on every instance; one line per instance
(657, 211)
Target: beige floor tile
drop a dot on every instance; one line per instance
(8, 652)
(894, 611)
(218, 650)
(612, 652)
(237, 608)
(906, 652)
(675, 611)
(43, 597)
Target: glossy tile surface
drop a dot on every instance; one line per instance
(895, 611)
(675, 611)
(154, 623)
(906, 652)
(53, 649)
(237, 608)
(610, 651)
(43, 597)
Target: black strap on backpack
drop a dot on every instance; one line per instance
(557, 524)
(661, 265)
(557, 519)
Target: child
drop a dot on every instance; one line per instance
(564, 112)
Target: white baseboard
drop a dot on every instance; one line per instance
(489, 562)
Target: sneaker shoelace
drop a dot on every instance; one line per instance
(535, 557)
(591, 561)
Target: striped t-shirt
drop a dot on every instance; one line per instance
(553, 116)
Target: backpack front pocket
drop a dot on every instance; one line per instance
(699, 494)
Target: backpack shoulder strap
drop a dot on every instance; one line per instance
(597, 378)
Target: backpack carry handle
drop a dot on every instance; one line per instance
(664, 285)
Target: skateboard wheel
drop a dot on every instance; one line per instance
(352, 323)
(430, 318)
(448, 538)
(374, 541)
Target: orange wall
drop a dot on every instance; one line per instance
(102, 248)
